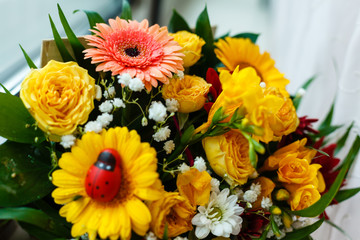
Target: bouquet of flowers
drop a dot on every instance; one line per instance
(164, 132)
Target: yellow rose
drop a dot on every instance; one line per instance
(59, 96)
(228, 155)
(195, 186)
(173, 210)
(267, 186)
(191, 44)
(297, 148)
(302, 196)
(190, 92)
(297, 170)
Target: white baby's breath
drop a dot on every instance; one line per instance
(106, 107)
(124, 79)
(180, 75)
(67, 141)
(157, 111)
(136, 85)
(169, 146)
(266, 203)
(150, 236)
(256, 187)
(98, 93)
(250, 196)
(110, 92)
(118, 103)
(93, 126)
(215, 184)
(104, 119)
(172, 105)
(162, 134)
(183, 168)
(199, 164)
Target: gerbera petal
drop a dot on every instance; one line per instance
(148, 193)
(139, 214)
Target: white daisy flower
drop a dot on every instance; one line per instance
(221, 216)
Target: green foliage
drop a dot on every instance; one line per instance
(6, 91)
(30, 63)
(23, 174)
(341, 143)
(252, 36)
(126, 10)
(16, 123)
(297, 99)
(343, 195)
(319, 207)
(178, 23)
(338, 228)
(299, 234)
(93, 17)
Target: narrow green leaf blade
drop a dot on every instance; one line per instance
(252, 36)
(16, 123)
(6, 91)
(327, 121)
(93, 17)
(28, 59)
(345, 194)
(65, 55)
(297, 99)
(178, 23)
(341, 143)
(319, 207)
(76, 45)
(302, 232)
(338, 228)
(126, 10)
(23, 174)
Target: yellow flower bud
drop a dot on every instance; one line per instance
(287, 220)
(275, 210)
(282, 195)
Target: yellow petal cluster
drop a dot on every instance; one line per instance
(127, 211)
(59, 96)
(195, 186)
(228, 155)
(190, 92)
(302, 196)
(174, 211)
(191, 44)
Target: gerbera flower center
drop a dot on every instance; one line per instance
(132, 52)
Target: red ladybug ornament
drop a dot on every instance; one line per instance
(103, 179)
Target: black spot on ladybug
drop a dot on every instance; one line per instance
(97, 187)
(102, 195)
(89, 184)
(106, 182)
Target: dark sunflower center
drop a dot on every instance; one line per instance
(132, 52)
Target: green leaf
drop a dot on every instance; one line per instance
(165, 235)
(39, 233)
(126, 10)
(252, 36)
(345, 194)
(23, 174)
(93, 17)
(252, 155)
(65, 55)
(28, 59)
(6, 91)
(325, 131)
(338, 228)
(185, 138)
(341, 143)
(177, 23)
(303, 232)
(274, 226)
(327, 122)
(16, 123)
(297, 99)
(76, 45)
(264, 234)
(182, 117)
(319, 207)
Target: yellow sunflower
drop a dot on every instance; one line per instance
(233, 52)
(126, 211)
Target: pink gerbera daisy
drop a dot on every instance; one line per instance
(147, 53)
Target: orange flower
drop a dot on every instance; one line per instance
(302, 196)
(194, 186)
(267, 186)
(228, 155)
(173, 210)
(190, 92)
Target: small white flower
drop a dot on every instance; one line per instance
(183, 168)
(238, 192)
(169, 146)
(256, 187)
(277, 220)
(162, 134)
(157, 111)
(180, 238)
(124, 79)
(221, 216)
(301, 92)
(172, 105)
(254, 175)
(93, 126)
(67, 141)
(199, 164)
(118, 103)
(136, 85)
(180, 75)
(98, 93)
(215, 184)
(110, 92)
(144, 121)
(303, 222)
(263, 85)
(250, 196)
(104, 119)
(106, 106)
(266, 203)
(270, 233)
(150, 236)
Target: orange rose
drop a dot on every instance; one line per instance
(297, 170)
(297, 149)
(228, 155)
(267, 186)
(190, 92)
(302, 196)
(173, 210)
(194, 186)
